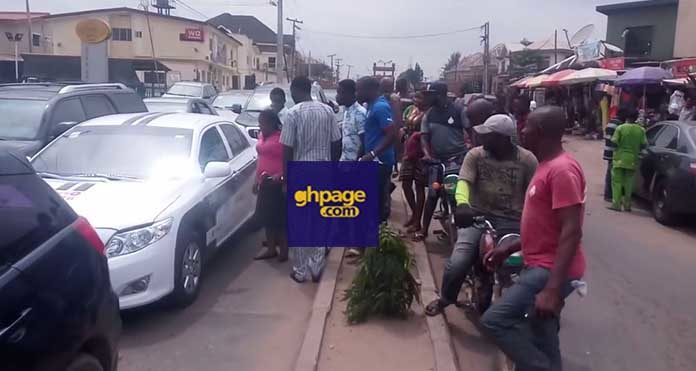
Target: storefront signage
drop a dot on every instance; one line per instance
(192, 34)
(683, 68)
(616, 64)
(589, 52)
(93, 31)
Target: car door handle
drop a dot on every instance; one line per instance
(12, 332)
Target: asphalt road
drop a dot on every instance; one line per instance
(640, 314)
(250, 316)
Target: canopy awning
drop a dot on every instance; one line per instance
(536, 81)
(589, 75)
(555, 79)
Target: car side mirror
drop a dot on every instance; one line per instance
(62, 127)
(216, 169)
(236, 108)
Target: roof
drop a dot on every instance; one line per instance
(192, 83)
(133, 10)
(620, 7)
(182, 100)
(250, 26)
(14, 164)
(543, 44)
(20, 16)
(178, 120)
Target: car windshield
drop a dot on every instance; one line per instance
(166, 106)
(114, 151)
(186, 90)
(228, 100)
(21, 118)
(262, 100)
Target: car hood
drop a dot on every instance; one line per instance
(23, 147)
(117, 204)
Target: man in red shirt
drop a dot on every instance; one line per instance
(525, 321)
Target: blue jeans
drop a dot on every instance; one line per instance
(531, 343)
(465, 255)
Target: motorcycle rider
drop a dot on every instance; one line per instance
(492, 182)
(443, 139)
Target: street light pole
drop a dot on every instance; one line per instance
(16, 61)
(280, 44)
(30, 37)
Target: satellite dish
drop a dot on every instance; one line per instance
(582, 36)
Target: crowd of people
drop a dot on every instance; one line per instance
(538, 189)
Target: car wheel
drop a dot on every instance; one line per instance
(85, 362)
(659, 205)
(188, 269)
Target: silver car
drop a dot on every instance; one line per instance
(192, 89)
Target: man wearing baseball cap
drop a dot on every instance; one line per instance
(493, 181)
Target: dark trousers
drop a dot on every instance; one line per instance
(607, 182)
(530, 342)
(464, 256)
(385, 172)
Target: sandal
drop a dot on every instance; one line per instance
(266, 253)
(434, 308)
(296, 278)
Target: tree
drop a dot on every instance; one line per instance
(413, 75)
(453, 61)
(526, 61)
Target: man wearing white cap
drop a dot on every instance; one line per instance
(493, 181)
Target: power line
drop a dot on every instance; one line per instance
(392, 37)
(191, 9)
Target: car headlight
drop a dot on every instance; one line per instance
(128, 242)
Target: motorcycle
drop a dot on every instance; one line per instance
(444, 177)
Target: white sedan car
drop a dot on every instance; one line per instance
(163, 191)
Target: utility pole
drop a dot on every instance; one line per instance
(309, 65)
(338, 69)
(295, 27)
(155, 69)
(486, 56)
(332, 57)
(555, 47)
(30, 37)
(280, 43)
(349, 67)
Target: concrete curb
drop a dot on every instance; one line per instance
(438, 329)
(308, 358)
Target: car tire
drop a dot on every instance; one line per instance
(85, 362)
(659, 205)
(188, 268)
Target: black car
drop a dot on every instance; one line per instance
(666, 174)
(35, 113)
(57, 309)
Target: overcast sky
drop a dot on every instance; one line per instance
(510, 20)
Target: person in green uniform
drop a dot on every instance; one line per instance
(630, 139)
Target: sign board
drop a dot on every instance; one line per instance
(589, 52)
(192, 34)
(683, 67)
(616, 64)
(93, 31)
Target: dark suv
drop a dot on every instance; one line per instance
(35, 113)
(57, 309)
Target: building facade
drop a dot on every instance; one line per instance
(684, 43)
(644, 29)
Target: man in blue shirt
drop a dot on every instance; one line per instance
(380, 135)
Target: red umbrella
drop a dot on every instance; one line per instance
(555, 79)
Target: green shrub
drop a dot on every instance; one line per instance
(383, 284)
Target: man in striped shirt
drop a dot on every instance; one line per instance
(310, 133)
(609, 148)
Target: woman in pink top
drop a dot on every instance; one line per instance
(269, 185)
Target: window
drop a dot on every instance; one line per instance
(68, 110)
(205, 76)
(121, 34)
(651, 134)
(235, 139)
(212, 148)
(35, 39)
(271, 62)
(127, 102)
(638, 41)
(138, 34)
(156, 77)
(97, 105)
(209, 92)
(667, 138)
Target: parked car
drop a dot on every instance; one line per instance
(34, 114)
(58, 310)
(233, 100)
(261, 100)
(192, 89)
(190, 105)
(666, 174)
(163, 190)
